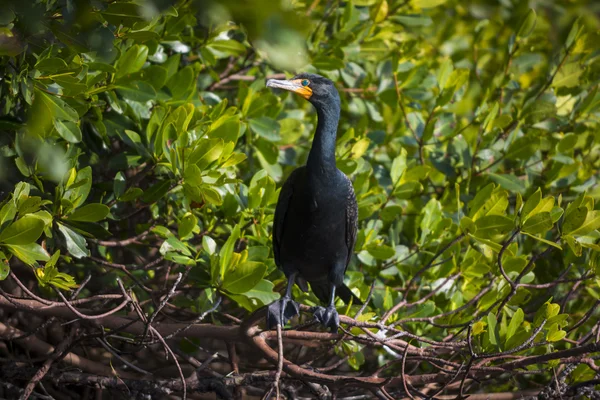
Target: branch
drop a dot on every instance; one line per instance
(42, 348)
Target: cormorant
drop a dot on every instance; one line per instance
(316, 215)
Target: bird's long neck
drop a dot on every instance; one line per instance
(321, 158)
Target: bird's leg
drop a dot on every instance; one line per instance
(329, 316)
(281, 311)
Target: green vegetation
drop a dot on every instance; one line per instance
(140, 162)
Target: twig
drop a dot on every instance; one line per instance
(279, 361)
(56, 354)
(123, 242)
(366, 303)
(403, 374)
(90, 317)
(124, 361)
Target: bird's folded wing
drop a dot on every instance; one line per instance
(280, 213)
(351, 220)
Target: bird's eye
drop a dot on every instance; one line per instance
(305, 82)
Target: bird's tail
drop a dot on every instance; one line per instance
(322, 291)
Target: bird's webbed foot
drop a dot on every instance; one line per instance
(328, 317)
(281, 311)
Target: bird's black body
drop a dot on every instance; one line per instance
(315, 232)
(316, 216)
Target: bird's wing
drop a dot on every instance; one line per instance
(351, 219)
(280, 212)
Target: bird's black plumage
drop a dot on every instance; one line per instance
(316, 215)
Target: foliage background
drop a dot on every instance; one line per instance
(139, 147)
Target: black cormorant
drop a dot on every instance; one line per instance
(316, 216)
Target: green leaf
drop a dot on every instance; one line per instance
(263, 292)
(192, 175)
(545, 205)
(590, 224)
(407, 190)
(574, 219)
(478, 328)
(172, 244)
(132, 61)
(7, 213)
(56, 107)
(481, 198)
(23, 231)
(556, 213)
(181, 85)
(498, 223)
(488, 123)
(548, 242)
(179, 259)
(119, 184)
(156, 191)
(209, 245)
(68, 130)
(137, 91)
(53, 260)
(432, 214)
(52, 64)
(187, 225)
(568, 76)
(381, 251)
(90, 213)
(412, 20)
(80, 189)
(207, 151)
(76, 244)
(528, 24)
(122, 13)
(398, 166)
(211, 195)
(226, 253)
(574, 245)
(379, 13)
(155, 75)
(427, 3)
(508, 182)
(31, 205)
(492, 322)
(539, 223)
(518, 203)
(243, 277)
(495, 246)
(327, 63)
(234, 159)
(261, 191)
(142, 36)
(29, 253)
(531, 204)
(467, 225)
(567, 143)
(131, 194)
(4, 266)
(515, 323)
(265, 127)
(390, 212)
(555, 335)
(229, 47)
(574, 33)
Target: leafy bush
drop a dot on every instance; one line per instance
(140, 161)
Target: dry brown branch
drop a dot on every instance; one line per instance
(455, 361)
(57, 353)
(42, 348)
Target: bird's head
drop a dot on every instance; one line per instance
(318, 90)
